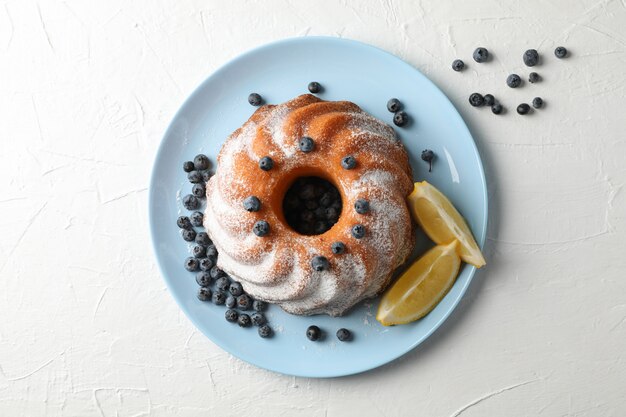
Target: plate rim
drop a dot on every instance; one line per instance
(161, 149)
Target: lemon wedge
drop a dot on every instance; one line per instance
(442, 222)
(420, 288)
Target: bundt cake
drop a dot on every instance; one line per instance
(350, 257)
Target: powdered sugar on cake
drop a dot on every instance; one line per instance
(277, 267)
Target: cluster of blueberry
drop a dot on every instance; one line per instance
(312, 205)
(400, 117)
(530, 57)
(198, 174)
(314, 333)
(478, 100)
(215, 285)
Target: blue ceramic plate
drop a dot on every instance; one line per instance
(348, 70)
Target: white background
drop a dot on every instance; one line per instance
(87, 327)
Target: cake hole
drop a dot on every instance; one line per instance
(312, 205)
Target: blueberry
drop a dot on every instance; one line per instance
(199, 190)
(244, 320)
(266, 163)
(265, 331)
(338, 248)
(188, 234)
(204, 294)
(252, 203)
(244, 302)
(400, 118)
(358, 231)
(197, 218)
(497, 108)
(325, 200)
(203, 239)
(428, 156)
(216, 272)
(231, 315)
(258, 305)
(206, 175)
(261, 228)
(331, 214)
(211, 251)
(306, 144)
(523, 109)
(198, 251)
(191, 264)
(531, 57)
(394, 105)
(533, 77)
(320, 263)
(235, 288)
(320, 227)
(195, 177)
(314, 87)
(201, 162)
(255, 99)
(311, 205)
(188, 166)
(307, 216)
(362, 206)
(560, 52)
(307, 192)
(489, 100)
(191, 202)
(481, 55)
(458, 65)
(306, 229)
(344, 335)
(476, 99)
(292, 201)
(183, 222)
(222, 283)
(231, 302)
(219, 298)
(203, 279)
(206, 264)
(318, 190)
(348, 162)
(513, 81)
(258, 319)
(313, 333)
(537, 102)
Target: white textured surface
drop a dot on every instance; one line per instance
(86, 324)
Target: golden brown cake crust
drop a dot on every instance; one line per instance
(277, 267)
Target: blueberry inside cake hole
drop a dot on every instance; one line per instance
(312, 205)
